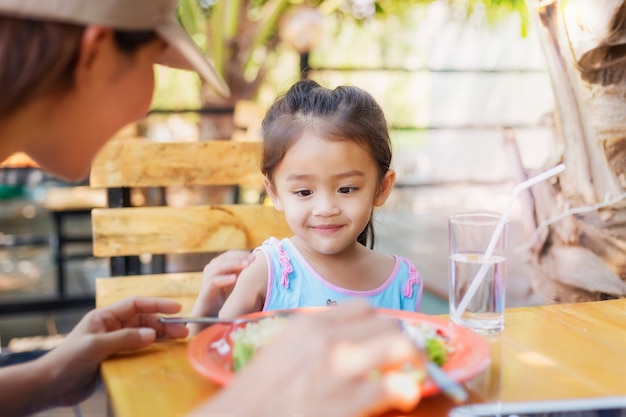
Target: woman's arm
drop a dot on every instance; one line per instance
(67, 374)
(25, 388)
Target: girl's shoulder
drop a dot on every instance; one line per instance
(379, 258)
(278, 249)
(400, 266)
(275, 242)
(401, 259)
(254, 276)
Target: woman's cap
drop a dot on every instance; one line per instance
(130, 15)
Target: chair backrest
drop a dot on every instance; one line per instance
(131, 231)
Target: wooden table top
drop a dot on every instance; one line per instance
(545, 352)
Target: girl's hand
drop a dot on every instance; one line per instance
(325, 365)
(218, 279)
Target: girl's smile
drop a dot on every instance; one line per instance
(326, 229)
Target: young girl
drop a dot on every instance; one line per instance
(326, 162)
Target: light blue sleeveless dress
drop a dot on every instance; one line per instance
(292, 282)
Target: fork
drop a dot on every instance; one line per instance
(449, 386)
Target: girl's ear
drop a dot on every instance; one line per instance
(269, 187)
(386, 185)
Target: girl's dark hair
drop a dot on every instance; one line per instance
(38, 58)
(345, 113)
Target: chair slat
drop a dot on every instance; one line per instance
(143, 163)
(197, 229)
(184, 286)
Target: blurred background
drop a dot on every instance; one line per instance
(464, 87)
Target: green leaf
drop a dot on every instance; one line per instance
(436, 351)
(242, 354)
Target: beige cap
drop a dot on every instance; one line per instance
(157, 15)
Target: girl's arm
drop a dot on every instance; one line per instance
(218, 280)
(248, 296)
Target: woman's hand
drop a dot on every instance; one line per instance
(218, 279)
(326, 365)
(129, 324)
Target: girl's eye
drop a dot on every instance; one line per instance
(303, 193)
(347, 190)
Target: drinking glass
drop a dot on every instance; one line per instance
(469, 236)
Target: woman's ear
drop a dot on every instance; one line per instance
(95, 55)
(269, 187)
(386, 185)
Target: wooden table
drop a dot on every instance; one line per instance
(547, 352)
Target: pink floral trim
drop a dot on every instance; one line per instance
(413, 280)
(285, 263)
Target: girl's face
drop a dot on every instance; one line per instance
(327, 190)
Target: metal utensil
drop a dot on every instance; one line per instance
(203, 320)
(449, 386)
(218, 320)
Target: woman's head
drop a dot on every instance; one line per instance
(74, 72)
(127, 16)
(39, 58)
(345, 114)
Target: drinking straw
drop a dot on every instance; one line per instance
(480, 275)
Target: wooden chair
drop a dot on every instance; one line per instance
(121, 231)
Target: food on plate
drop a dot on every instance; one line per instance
(436, 343)
(249, 339)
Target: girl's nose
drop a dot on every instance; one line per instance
(326, 206)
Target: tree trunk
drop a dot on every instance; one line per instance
(579, 247)
(240, 46)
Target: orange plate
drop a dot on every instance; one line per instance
(210, 351)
